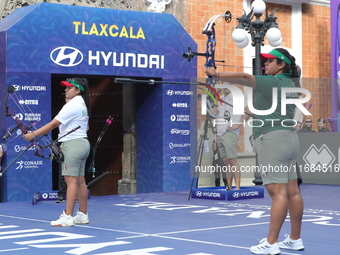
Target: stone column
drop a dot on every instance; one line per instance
(127, 185)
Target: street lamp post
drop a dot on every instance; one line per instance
(257, 30)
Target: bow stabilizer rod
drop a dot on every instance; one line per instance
(55, 141)
(152, 81)
(190, 55)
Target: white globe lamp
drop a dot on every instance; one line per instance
(276, 44)
(258, 6)
(242, 44)
(274, 36)
(238, 35)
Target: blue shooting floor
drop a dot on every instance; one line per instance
(167, 223)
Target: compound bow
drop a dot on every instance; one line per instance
(210, 61)
(209, 54)
(24, 128)
(209, 31)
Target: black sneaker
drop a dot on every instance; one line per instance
(60, 199)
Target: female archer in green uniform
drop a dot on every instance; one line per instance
(277, 146)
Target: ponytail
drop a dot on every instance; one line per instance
(295, 72)
(292, 68)
(86, 93)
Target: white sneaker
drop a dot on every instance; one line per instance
(265, 248)
(290, 244)
(63, 221)
(81, 218)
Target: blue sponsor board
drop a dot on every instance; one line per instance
(219, 193)
(47, 39)
(48, 196)
(44, 196)
(176, 142)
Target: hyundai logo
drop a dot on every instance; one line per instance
(236, 194)
(169, 92)
(17, 87)
(198, 193)
(66, 56)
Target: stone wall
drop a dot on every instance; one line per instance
(176, 7)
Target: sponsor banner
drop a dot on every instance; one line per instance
(29, 88)
(176, 135)
(245, 193)
(180, 117)
(180, 105)
(218, 193)
(176, 131)
(171, 92)
(29, 172)
(48, 196)
(116, 42)
(177, 124)
(179, 159)
(28, 164)
(178, 145)
(209, 194)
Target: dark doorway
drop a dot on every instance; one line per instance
(106, 99)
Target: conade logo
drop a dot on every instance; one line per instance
(66, 56)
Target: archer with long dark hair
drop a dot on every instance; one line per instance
(277, 146)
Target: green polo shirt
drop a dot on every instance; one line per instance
(263, 101)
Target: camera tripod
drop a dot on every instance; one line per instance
(204, 146)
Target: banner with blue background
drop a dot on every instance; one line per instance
(44, 39)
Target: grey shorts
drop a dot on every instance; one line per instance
(75, 153)
(228, 145)
(277, 152)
